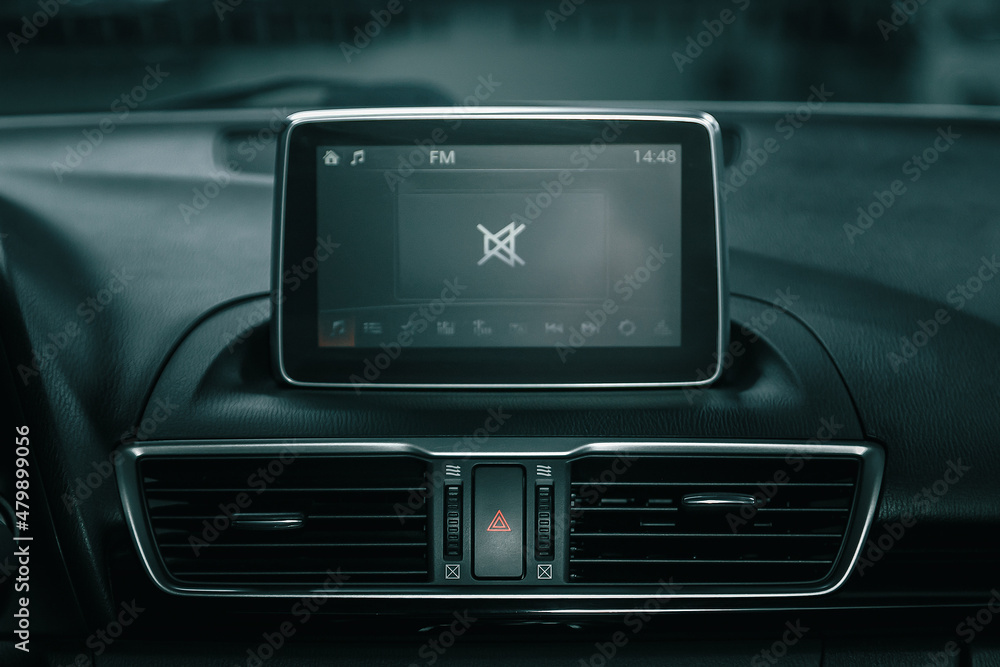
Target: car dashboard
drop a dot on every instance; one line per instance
(185, 493)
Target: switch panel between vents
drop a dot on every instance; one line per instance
(498, 522)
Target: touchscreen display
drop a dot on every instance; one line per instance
(498, 248)
(507, 246)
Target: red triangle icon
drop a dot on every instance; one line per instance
(499, 524)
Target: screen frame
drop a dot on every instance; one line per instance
(299, 365)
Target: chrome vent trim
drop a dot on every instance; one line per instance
(440, 450)
(710, 520)
(289, 520)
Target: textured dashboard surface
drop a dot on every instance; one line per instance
(219, 385)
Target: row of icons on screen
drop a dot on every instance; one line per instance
(482, 328)
(332, 158)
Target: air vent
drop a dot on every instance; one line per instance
(710, 520)
(249, 521)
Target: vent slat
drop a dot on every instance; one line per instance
(710, 483)
(301, 545)
(624, 509)
(372, 532)
(220, 573)
(713, 535)
(631, 526)
(312, 517)
(803, 509)
(688, 561)
(153, 489)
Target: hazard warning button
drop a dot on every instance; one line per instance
(498, 522)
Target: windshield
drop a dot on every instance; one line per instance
(96, 55)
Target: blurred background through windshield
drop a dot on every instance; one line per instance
(69, 55)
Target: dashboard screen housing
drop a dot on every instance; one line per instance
(498, 248)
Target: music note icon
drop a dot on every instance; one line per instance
(359, 157)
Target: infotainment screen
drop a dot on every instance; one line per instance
(502, 248)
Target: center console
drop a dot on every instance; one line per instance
(432, 272)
